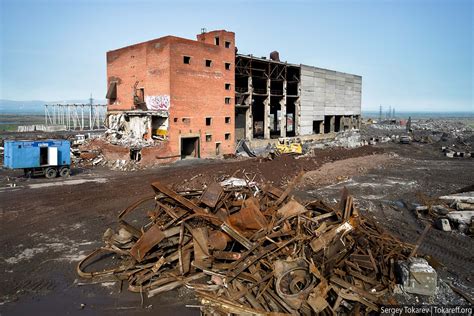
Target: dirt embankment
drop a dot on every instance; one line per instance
(344, 169)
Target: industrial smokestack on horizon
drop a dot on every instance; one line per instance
(275, 56)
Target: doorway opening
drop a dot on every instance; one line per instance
(327, 124)
(338, 124)
(43, 156)
(190, 147)
(218, 149)
(317, 127)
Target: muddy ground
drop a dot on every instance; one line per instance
(47, 226)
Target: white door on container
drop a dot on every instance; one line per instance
(53, 156)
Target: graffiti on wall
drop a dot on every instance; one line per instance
(157, 102)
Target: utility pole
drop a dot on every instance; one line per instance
(90, 112)
(380, 114)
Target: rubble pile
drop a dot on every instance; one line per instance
(451, 211)
(347, 139)
(92, 158)
(453, 127)
(247, 248)
(117, 137)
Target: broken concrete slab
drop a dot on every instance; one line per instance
(418, 277)
(443, 224)
(461, 217)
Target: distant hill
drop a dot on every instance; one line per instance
(36, 106)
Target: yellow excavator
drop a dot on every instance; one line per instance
(287, 147)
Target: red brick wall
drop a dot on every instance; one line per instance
(196, 91)
(147, 63)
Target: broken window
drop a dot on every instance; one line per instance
(227, 66)
(112, 92)
(227, 120)
(227, 136)
(208, 137)
(159, 127)
(186, 60)
(227, 44)
(227, 86)
(208, 121)
(186, 120)
(208, 63)
(216, 40)
(227, 100)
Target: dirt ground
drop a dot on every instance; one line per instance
(48, 226)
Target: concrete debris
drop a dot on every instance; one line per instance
(243, 149)
(116, 137)
(452, 153)
(259, 250)
(461, 217)
(347, 139)
(456, 210)
(443, 224)
(418, 277)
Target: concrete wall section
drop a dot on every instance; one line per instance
(327, 92)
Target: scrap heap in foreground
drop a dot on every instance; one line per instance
(246, 248)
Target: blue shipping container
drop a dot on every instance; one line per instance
(36, 154)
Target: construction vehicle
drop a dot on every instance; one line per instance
(46, 157)
(285, 146)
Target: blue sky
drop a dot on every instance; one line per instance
(413, 55)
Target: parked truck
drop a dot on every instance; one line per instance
(46, 157)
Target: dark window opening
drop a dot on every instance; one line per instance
(208, 121)
(175, 120)
(208, 138)
(208, 63)
(218, 149)
(227, 100)
(227, 136)
(227, 66)
(112, 92)
(227, 44)
(190, 147)
(317, 127)
(227, 120)
(135, 154)
(186, 60)
(43, 156)
(227, 86)
(216, 40)
(186, 120)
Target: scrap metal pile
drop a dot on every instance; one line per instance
(252, 249)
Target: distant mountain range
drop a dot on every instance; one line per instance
(36, 106)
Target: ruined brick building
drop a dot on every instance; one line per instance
(198, 98)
